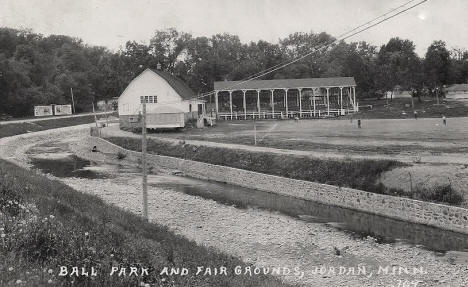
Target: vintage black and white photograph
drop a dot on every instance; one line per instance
(235, 143)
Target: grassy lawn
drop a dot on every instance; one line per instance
(7, 130)
(377, 136)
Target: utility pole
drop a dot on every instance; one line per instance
(73, 101)
(143, 161)
(95, 120)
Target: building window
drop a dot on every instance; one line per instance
(149, 99)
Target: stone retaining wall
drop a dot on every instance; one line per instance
(438, 215)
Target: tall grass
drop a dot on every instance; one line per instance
(45, 224)
(359, 174)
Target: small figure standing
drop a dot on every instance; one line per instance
(94, 149)
(415, 115)
(444, 120)
(359, 123)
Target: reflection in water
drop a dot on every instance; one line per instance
(359, 224)
(70, 166)
(56, 159)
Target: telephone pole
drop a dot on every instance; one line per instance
(73, 101)
(143, 161)
(96, 121)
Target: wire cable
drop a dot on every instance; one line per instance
(342, 38)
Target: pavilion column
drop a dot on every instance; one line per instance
(341, 100)
(258, 102)
(286, 101)
(349, 96)
(328, 101)
(243, 102)
(300, 102)
(216, 102)
(272, 101)
(230, 102)
(354, 99)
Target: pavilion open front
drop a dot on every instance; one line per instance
(285, 98)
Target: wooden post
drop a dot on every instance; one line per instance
(272, 99)
(300, 102)
(313, 95)
(328, 101)
(243, 101)
(73, 101)
(143, 162)
(258, 102)
(230, 102)
(216, 102)
(286, 102)
(354, 99)
(95, 120)
(341, 100)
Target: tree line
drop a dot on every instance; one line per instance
(37, 69)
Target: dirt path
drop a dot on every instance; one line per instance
(258, 236)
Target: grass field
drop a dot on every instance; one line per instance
(7, 130)
(378, 136)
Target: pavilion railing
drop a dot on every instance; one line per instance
(322, 113)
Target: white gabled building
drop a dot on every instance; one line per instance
(169, 101)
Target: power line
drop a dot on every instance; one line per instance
(355, 31)
(342, 37)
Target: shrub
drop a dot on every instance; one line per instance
(121, 155)
(439, 193)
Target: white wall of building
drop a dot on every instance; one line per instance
(149, 83)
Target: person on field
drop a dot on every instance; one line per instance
(415, 115)
(444, 120)
(359, 123)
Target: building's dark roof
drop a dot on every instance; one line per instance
(177, 84)
(285, 84)
(457, 88)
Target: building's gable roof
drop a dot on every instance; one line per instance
(457, 88)
(177, 84)
(285, 83)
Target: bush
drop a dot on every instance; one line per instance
(121, 155)
(439, 193)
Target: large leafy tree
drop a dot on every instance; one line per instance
(437, 64)
(398, 64)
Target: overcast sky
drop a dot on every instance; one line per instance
(111, 23)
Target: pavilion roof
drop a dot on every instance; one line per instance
(285, 84)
